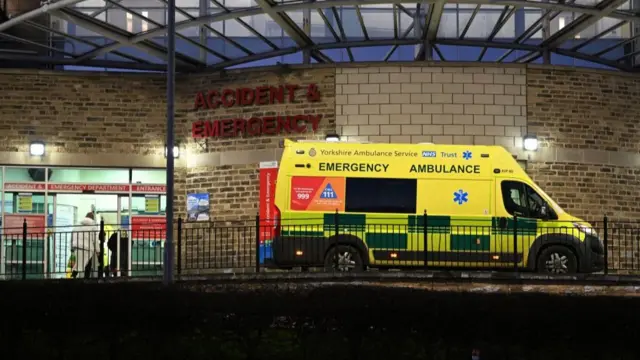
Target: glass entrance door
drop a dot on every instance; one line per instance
(21, 206)
(147, 224)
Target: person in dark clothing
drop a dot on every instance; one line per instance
(112, 245)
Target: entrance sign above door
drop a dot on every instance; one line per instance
(256, 125)
(83, 188)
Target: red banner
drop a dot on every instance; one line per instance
(268, 176)
(79, 188)
(14, 223)
(148, 228)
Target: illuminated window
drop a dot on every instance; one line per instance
(560, 23)
(145, 25)
(129, 22)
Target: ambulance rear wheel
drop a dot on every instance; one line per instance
(557, 259)
(343, 258)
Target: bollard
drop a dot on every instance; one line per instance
(24, 250)
(335, 239)
(258, 243)
(605, 243)
(425, 241)
(179, 245)
(515, 243)
(101, 255)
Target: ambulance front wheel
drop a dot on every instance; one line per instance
(343, 258)
(557, 259)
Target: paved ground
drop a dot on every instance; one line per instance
(452, 281)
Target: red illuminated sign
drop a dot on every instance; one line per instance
(79, 188)
(272, 124)
(148, 228)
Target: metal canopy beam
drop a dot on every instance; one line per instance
(37, 12)
(91, 63)
(432, 23)
(426, 38)
(601, 61)
(290, 28)
(83, 40)
(581, 23)
(157, 24)
(554, 41)
(355, 44)
(117, 35)
(235, 14)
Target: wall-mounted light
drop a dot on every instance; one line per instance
(36, 148)
(332, 137)
(530, 143)
(176, 151)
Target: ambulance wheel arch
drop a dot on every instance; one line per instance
(540, 246)
(351, 241)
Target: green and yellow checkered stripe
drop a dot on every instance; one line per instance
(406, 232)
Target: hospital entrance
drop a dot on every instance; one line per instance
(53, 202)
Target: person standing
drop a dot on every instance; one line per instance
(85, 243)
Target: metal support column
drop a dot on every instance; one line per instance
(546, 32)
(419, 27)
(306, 27)
(634, 27)
(203, 30)
(171, 74)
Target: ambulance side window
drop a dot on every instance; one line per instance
(514, 198)
(375, 195)
(521, 200)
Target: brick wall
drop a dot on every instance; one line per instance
(445, 105)
(81, 113)
(581, 109)
(589, 120)
(592, 118)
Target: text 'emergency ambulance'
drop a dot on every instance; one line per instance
(446, 169)
(355, 167)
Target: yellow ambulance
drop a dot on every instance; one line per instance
(352, 206)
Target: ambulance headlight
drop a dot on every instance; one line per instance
(585, 229)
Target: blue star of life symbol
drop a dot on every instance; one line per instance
(328, 193)
(467, 155)
(460, 197)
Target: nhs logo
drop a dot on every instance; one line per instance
(429, 154)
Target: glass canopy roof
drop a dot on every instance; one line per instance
(222, 34)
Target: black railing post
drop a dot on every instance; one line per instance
(179, 262)
(425, 241)
(258, 243)
(605, 244)
(24, 250)
(515, 243)
(101, 253)
(336, 229)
